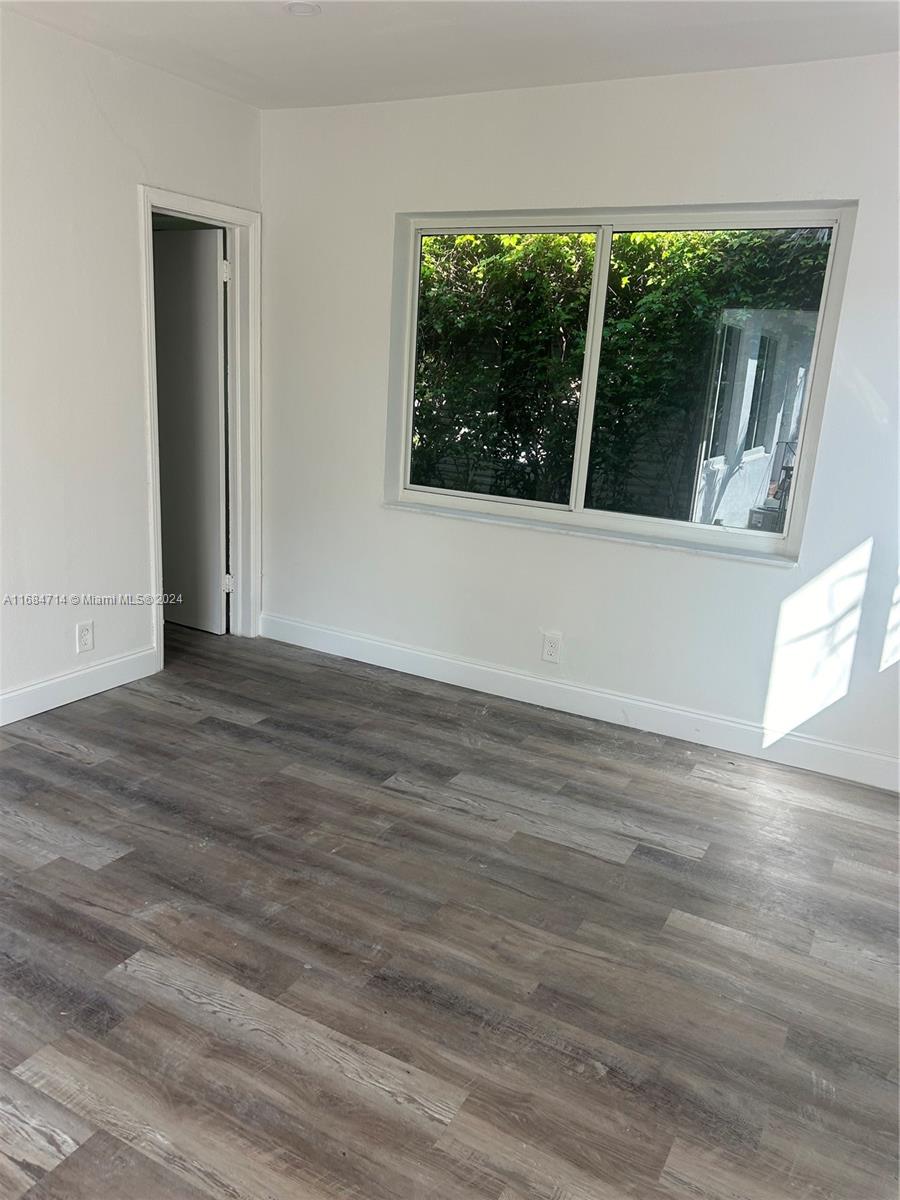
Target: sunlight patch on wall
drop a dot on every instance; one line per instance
(890, 652)
(814, 644)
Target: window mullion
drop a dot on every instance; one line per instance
(590, 367)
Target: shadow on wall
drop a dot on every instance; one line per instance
(814, 644)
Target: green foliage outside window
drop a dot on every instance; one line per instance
(665, 295)
(502, 321)
(499, 351)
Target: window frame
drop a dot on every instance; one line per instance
(574, 518)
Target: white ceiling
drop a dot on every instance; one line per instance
(362, 50)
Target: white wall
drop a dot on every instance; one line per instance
(81, 129)
(664, 640)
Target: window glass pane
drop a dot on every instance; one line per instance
(500, 336)
(760, 403)
(707, 340)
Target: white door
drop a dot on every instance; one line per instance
(190, 382)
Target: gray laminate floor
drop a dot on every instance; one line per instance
(279, 925)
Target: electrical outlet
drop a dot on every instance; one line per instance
(552, 647)
(84, 636)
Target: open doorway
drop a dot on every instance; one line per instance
(190, 294)
(202, 320)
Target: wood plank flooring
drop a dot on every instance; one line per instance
(278, 926)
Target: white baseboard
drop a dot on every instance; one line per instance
(22, 702)
(722, 733)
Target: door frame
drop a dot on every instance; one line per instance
(243, 251)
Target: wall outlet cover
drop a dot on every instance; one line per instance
(552, 648)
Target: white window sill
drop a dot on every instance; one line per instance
(502, 516)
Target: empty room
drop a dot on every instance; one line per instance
(449, 600)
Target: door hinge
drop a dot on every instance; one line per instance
(228, 585)
(226, 271)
